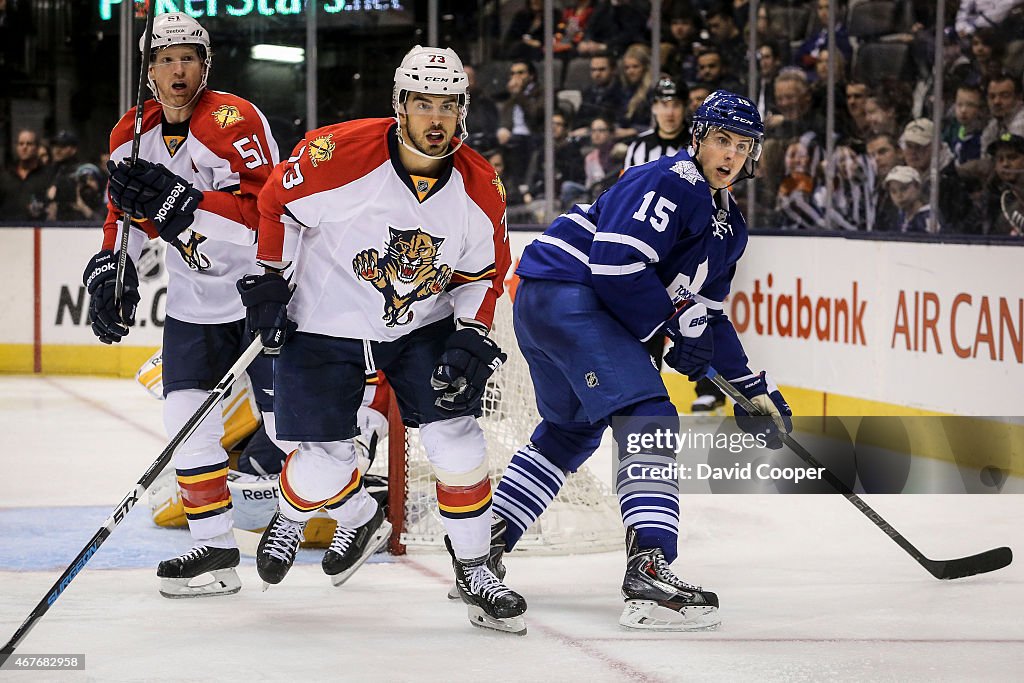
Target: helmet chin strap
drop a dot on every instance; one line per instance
(414, 150)
(199, 91)
(740, 177)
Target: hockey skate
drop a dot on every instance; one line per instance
(490, 603)
(277, 548)
(350, 548)
(178, 575)
(494, 563)
(658, 600)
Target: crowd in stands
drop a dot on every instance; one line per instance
(884, 75)
(612, 111)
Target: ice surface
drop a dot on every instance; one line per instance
(810, 589)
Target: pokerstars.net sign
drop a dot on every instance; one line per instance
(932, 326)
(244, 8)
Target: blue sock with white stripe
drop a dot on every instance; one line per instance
(651, 506)
(527, 487)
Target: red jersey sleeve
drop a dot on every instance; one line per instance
(237, 133)
(479, 277)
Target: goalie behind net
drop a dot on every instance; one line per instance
(583, 518)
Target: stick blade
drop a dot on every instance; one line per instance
(982, 563)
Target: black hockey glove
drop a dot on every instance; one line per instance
(146, 190)
(460, 377)
(693, 345)
(266, 298)
(763, 393)
(110, 323)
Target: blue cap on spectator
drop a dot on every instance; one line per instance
(1008, 139)
(65, 138)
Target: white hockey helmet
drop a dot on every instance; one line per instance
(177, 28)
(434, 71)
(431, 70)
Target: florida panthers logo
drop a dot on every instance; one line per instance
(190, 253)
(227, 115)
(406, 273)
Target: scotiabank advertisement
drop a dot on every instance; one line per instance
(932, 326)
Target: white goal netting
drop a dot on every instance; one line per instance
(583, 518)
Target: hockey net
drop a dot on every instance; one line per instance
(583, 518)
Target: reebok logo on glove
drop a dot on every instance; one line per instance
(168, 204)
(106, 267)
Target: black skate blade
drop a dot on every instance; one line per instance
(513, 625)
(982, 563)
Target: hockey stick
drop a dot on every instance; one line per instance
(125, 506)
(957, 568)
(126, 220)
(1010, 205)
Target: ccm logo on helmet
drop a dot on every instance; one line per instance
(437, 79)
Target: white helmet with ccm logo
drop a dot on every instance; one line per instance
(431, 70)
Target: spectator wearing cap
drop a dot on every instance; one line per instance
(62, 194)
(603, 97)
(903, 184)
(670, 133)
(1004, 193)
(23, 185)
(956, 210)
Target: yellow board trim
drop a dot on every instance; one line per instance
(992, 442)
(76, 359)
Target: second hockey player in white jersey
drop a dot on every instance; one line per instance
(404, 250)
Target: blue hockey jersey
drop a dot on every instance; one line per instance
(649, 245)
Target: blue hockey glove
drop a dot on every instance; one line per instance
(266, 298)
(146, 190)
(461, 374)
(693, 345)
(110, 323)
(763, 393)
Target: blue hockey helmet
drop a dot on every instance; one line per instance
(732, 112)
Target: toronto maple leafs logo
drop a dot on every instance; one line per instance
(687, 170)
(407, 272)
(720, 224)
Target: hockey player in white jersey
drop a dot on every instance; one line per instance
(404, 251)
(654, 254)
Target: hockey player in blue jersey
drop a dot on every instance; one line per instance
(655, 253)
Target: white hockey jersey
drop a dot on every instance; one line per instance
(225, 150)
(373, 260)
